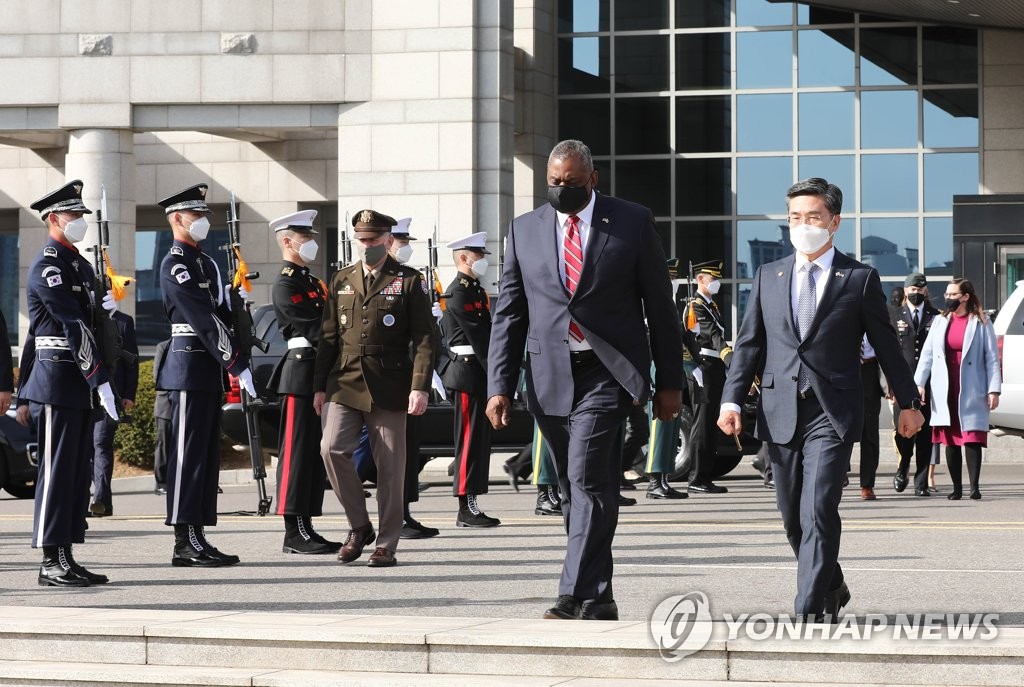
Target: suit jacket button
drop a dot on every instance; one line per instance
(795, 378)
(363, 335)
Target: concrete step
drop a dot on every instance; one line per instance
(225, 647)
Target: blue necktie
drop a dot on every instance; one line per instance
(806, 302)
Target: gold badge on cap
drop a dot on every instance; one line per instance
(366, 217)
(78, 188)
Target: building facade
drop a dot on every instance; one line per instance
(445, 110)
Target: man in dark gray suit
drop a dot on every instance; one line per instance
(580, 275)
(805, 319)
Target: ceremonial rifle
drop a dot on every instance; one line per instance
(344, 245)
(246, 339)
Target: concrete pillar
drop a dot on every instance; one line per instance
(105, 158)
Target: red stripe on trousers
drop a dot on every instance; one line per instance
(286, 465)
(464, 407)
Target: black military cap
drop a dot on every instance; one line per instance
(916, 279)
(192, 199)
(68, 198)
(371, 220)
(712, 267)
(673, 267)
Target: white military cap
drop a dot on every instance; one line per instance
(296, 221)
(475, 242)
(401, 229)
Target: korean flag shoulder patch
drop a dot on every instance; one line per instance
(180, 273)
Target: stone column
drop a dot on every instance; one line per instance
(105, 158)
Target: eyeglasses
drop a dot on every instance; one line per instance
(812, 218)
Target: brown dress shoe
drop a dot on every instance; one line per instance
(867, 494)
(382, 558)
(357, 540)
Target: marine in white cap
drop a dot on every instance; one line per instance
(299, 298)
(463, 368)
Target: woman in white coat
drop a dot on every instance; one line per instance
(960, 365)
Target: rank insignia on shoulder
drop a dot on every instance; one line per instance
(423, 285)
(176, 250)
(288, 271)
(50, 252)
(463, 281)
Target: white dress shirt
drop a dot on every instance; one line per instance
(583, 224)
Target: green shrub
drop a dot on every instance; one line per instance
(134, 442)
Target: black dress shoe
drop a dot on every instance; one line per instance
(79, 569)
(599, 610)
(566, 608)
(56, 571)
(160, 491)
(835, 600)
(975, 495)
(626, 501)
(213, 551)
(190, 550)
(899, 482)
(414, 529)
(769, 484)
(299, 544)
(512, 481)
(955, 495)
(627, 486)
(659, 488)
(471, 515)
(548, 502)
(922, 492)
(706, 488)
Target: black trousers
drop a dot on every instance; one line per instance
(472, 443)
(194, 464)
(809, 473)
(64, 436)
(869, 448)
(162, 452)
(918, 446)
(413, 462)
(301, 475)
(704, 429)
(638, 433)
(103, 460)
(586, 447)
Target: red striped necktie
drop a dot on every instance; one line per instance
(573, 249)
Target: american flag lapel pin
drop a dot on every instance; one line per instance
(781, 273)
(605, 220)
(838, 273)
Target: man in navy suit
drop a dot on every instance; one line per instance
(805, 320)
(580, 275)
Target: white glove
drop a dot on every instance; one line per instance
(243, 293)
(106, 395)
(245, 381)
(698, 377)
(109, 304)
(438, 386)
(435, 310)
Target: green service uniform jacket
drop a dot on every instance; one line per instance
(363, 360)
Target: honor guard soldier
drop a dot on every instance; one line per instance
(715, 354)
(62, 382)
(376, 308)
(467, 326)
(299, 299)
(202, 348)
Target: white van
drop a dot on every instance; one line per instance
(1008, 418)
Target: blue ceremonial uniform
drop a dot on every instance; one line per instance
(201, 348)
(63, 374)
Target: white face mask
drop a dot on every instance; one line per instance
(713, 286)
(403, 253)
(808, 238)
(74, 231)
(199, 229)
(307, 251)
(479, 267)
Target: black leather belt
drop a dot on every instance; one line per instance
(582, 358)
(868, 361)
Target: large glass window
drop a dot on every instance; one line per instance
(825, 58)
(641, 63)
(587, 120)
(888, 119)
(642, 126)
(764, 122)
(695, 14)
(888, 57)
(946, 175)
(644, 182)
(949, 55)
(764, 59)
(703, 187)
(951, 118)
(763, 13)
(582, 16)
(583, 65)
(700, 241)
(761, 183)
(637, 15)
(702, 61)
(838, 169)
(704, 124)
(889, 244)
(826, 121)
(888, 183)
(938, 246)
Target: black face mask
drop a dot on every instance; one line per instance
(567, 199)
(952, 304)
(915, 298)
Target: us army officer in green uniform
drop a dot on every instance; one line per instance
(377, 311)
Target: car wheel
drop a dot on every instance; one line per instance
(21, 491)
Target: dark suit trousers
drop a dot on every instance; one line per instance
(869, 434)
(103, 460)
(162, 452)
(704, 430)
(809, 474)
(919, 446)
(587, 451)
(638, 433)
(62, 485)
(301, 476)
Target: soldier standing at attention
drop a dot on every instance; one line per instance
(715, 354)
(299, 299)
(376, 308)
(196, 302)
(467, 324)
(66, 381)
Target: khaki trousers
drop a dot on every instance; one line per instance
(386, 428)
